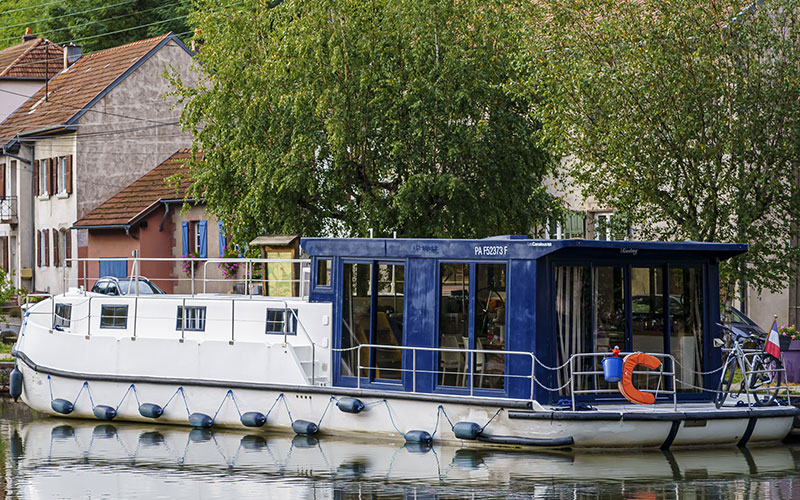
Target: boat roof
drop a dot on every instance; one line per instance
(511, 247)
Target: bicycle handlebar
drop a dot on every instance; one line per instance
(741, 336)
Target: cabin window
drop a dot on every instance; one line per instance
(323, 272)
(453, 321)
(686, 325)
(372, 313)
(114, 317)
(63, 316)
(356, 315)
(489, 331)
(591, 311)
(277, 324)
(482, 289)
(648, 328)
(389, 321)
(195, 320)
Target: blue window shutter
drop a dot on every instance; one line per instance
(185, 227)
(221, 240)
(203, 233)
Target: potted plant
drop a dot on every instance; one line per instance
(791, 355)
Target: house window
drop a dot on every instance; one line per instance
(114, 317)
(571, 227)
(63, 316)
(196, 237)
(195, 320)
(323, 272)
(43, 248)
(276, 319)
(61, 175)
(602, 227)
(44, 177)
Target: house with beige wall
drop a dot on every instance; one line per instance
(103, 122)
(152, 218)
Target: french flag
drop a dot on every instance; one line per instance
(773, 346)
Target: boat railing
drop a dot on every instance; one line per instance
(194, 275)
(467, 376)
(575, 371)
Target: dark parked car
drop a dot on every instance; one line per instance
(113, 286)
(741, 322)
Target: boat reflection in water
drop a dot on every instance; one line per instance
(58, 458)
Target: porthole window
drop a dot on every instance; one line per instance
(114, 317)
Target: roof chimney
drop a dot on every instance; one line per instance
(72, 53)
(28, 34)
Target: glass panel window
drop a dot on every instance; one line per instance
(356, 317)
(490, 326)
(686, 326)
(61, 175)
(195, 320)
(114, 317)
(63, 316)
(574, 322)
(44, 177)
(453, 322)
(323, 272)
(276, 321)
(389, 321)
(647, 303)
(608, 289)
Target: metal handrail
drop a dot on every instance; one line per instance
(660, 373)
(465, 351)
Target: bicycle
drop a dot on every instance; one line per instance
(760, 370)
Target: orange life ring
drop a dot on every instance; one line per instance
(625, 385)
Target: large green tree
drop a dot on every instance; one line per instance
(333, 117)
(93, 24)
(683, 116)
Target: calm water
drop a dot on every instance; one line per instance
(45, 458)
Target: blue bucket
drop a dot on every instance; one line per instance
(612, 369)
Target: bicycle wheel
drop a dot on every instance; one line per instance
(725, 382)
(766, 379)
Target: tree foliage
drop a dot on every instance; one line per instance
(93, 24)
(683, 116)
(333, 117)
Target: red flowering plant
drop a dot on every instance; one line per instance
(189, 265)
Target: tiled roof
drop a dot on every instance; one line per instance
(32, 60)
(74, 88)
(142, 196)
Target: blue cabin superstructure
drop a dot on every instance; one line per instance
(469, 316)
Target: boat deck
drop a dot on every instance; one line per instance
(663, 412)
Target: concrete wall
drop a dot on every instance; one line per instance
(107, 163)
(13, 98)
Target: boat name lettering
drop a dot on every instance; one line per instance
(419, 247)
(540, 244)
(629, 251)
(491, 250)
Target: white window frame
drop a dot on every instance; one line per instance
(61, 175)
(43, 248)
(44, 177)
(196, 237)
(607, 216)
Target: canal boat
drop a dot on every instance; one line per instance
(491, 342)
